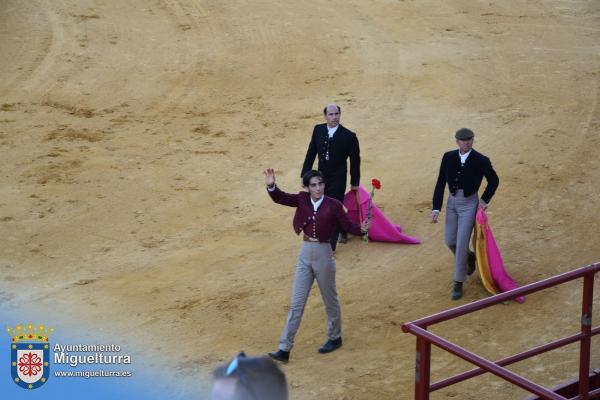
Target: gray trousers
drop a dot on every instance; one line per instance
(314, 262)
(460, 218)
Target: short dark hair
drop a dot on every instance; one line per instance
(311, 174)
(256, 378)
(338, 107)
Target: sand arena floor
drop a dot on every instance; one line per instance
(133, 135)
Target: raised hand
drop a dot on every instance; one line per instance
(269, 177)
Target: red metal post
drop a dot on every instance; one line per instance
(501, 297)
(486, 364)
(586, 330)
(425, 339)
(508, 361)
(422, 366)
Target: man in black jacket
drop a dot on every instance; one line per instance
(334, 144)
(463, 170)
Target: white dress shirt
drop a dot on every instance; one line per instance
(331, 131)
(316, 204)
(463, 157)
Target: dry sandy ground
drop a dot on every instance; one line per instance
(133, 135)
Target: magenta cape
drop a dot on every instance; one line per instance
(382, 229)
(504, 282)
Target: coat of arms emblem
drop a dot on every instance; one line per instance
(30, 355)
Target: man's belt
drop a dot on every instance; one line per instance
(310, 239)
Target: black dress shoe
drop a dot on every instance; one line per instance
(280, 355)
(331, 345)
(457, 291)
(471, 263)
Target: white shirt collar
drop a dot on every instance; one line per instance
(317, 204)
(331, 131)
(463, 157)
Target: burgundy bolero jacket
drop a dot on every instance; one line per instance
(330, 212)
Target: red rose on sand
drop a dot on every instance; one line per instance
(376, 184)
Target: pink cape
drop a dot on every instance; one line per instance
(504, 282)
(382, 229)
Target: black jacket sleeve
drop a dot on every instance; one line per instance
(311, 153)
(492, 181)
(354, 154)
(440, 186)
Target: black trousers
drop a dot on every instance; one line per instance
(335, 188)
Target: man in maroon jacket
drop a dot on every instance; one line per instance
(316, 216)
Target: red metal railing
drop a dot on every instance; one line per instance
(424, 340)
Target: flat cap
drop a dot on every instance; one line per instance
(464, 134)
